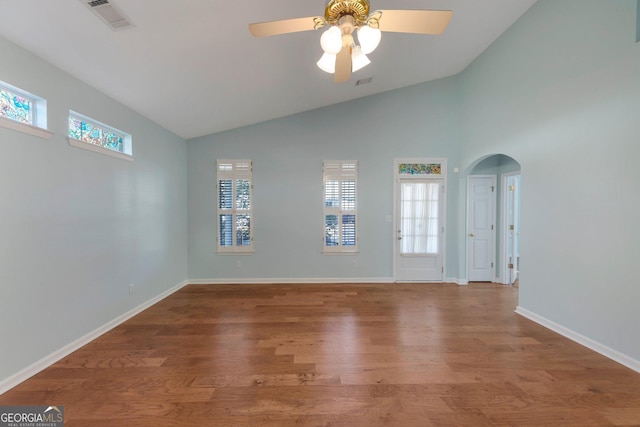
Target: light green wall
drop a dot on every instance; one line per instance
(560, 93)
(287, 154)
(78, 227)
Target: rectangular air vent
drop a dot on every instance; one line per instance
(109, 13)
(364, 81)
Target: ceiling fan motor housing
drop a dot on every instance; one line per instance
(336, 9)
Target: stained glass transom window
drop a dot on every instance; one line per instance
(91, 132)
(420, 169)
(16, 107)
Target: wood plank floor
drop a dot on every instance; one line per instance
(335, 355)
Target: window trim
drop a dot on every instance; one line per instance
(127, 144)
(340, 249)
(25, 128)
(38, 125)
(234, 174)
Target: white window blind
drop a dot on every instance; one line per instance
(340, 210)
(235, 210)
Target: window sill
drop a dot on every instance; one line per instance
(235, 252)
(25, 128)
(97, 149)
(340, 253)
(230, 250)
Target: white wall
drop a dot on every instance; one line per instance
(560, 93)
(287, 155)
(77, 227)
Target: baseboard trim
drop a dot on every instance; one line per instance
(305, 280)
(456, 281)
(45, 362)
(612, 354)
(310, 280)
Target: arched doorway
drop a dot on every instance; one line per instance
(493, 219)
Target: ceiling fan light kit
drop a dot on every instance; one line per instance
(340, 36)
(341, 55)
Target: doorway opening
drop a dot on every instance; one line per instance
(493, 220)
(419, 219)
(510, 228)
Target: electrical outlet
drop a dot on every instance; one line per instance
(355, 263)
(132, 289)
(238, 263)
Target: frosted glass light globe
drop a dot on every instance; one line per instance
(359, 59)
(327, 63)
(331, 41)
(369, 38)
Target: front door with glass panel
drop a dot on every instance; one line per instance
(419, 223)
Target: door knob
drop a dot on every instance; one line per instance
(399, 237)
(472, 235)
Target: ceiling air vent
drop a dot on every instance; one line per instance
(109, 13)
(364, 81)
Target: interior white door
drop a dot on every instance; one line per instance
(512, 222)
(481, 228)
(419, 230)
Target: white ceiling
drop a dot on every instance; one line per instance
(193, 67)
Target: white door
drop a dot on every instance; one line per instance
(419, 230)
(512, 223)
(481, 195)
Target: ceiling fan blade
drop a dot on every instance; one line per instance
(343, 66)
(272, 28)
(415, 21)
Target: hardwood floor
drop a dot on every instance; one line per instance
(335, 355)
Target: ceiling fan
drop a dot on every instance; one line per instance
(341, 55)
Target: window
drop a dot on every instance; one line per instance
(22, 111)
(92, 135)
(419, 217)
(235, 210)
(340, 207)
(16, 107)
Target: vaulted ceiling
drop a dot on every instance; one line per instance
(193, 67)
